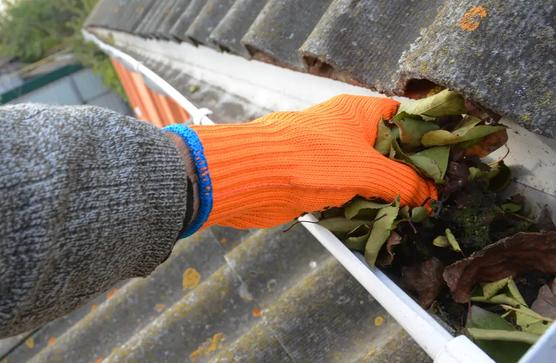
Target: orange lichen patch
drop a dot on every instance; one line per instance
(379, 320)
(472, 18)
(99, 360)
(110, 294)
(256, 312)
(30, 342)
(51, 341)
(93, 308)
(191, 278)
(210, 345)
(159, 307)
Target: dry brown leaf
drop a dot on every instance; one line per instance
(522, 252)
(545, 303)
(488, 144)
(387, 256)
(425, 279)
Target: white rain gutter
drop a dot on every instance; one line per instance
(437, 342)
(198, 115)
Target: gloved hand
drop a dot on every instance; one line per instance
(271, 170)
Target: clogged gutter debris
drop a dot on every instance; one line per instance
(475, 257)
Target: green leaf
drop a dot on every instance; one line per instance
(514, 291)
(529, 320)
(452, 240)
(496, 299)
(444, 103)
(380, 232)
(465, 125)
(432, 162)
(412, 128)
(361, 206)
(490, 289)
(504, 335)
(341, 225)
(443, 137)
(419, 214)
(404, 213)
(500, 351)
(384, 138)
(357, 243)
(441, 241)
(511, 207)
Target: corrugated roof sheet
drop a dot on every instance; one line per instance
(499, 54)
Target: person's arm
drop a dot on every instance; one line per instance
(88, 197)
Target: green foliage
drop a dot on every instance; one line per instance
(33, 29)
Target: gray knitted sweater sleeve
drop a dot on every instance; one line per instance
(88, 197)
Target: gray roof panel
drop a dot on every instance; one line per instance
(179, 30)
(281, 28)
(362, 41)
(207, 20)
(170, 21)
(235, 24)
(499, 54)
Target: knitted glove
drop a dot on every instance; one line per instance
(271, 170)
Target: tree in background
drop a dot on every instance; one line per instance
(33, 29)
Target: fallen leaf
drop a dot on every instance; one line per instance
(443, 137)
(487, 145)
(514, 292)
(441, 241)
(511, 207)
(431, 162)
(500, 351)
(419, 214)
(504, 335)
(362, 208)
(30, 342)
(357, 243)
(491, 288)
(386, 258)
(379, 320)
(51, 341)
(381, 230)
(447, 241)
(545, 303)
(412, 128)
(190, 278)
(384, 138)
(424, 279)
(444, 103)
(522, 252)
(452, 240)
(528, 320)
(339, 225)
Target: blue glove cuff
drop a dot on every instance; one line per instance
(197, 153)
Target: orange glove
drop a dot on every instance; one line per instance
(271, 170)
